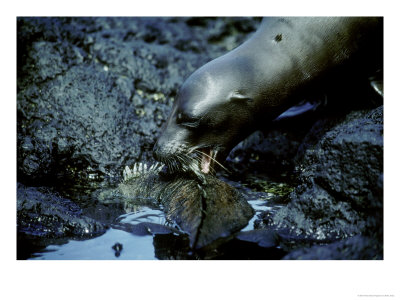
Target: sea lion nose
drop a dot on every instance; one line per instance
(159, 149)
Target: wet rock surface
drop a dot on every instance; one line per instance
(354, 248)
(42, 213)
(340, 186)
(45, 215)
(92, 96)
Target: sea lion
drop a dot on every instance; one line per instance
(228, 98)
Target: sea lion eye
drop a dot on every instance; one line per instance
(186, 120)
(239, 97)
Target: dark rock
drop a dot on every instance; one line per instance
(262, 237)
(117, 248)
(340, 170)
(350, 158)
(266, 152)
(172, 246)
(43, 214)
(357, 247)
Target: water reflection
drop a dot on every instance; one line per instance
(131, 246)
(259, 206)
(134, 247)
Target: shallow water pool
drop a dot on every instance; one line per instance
(134, 246)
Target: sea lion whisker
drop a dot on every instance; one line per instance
(180, 158)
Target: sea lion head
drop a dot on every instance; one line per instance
(213, 111)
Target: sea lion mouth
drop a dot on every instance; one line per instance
(198, 159)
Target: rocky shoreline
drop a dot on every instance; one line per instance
(93, 94)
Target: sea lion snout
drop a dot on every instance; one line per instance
(180, 155)
(171, 142)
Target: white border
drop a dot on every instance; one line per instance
(183, 280)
